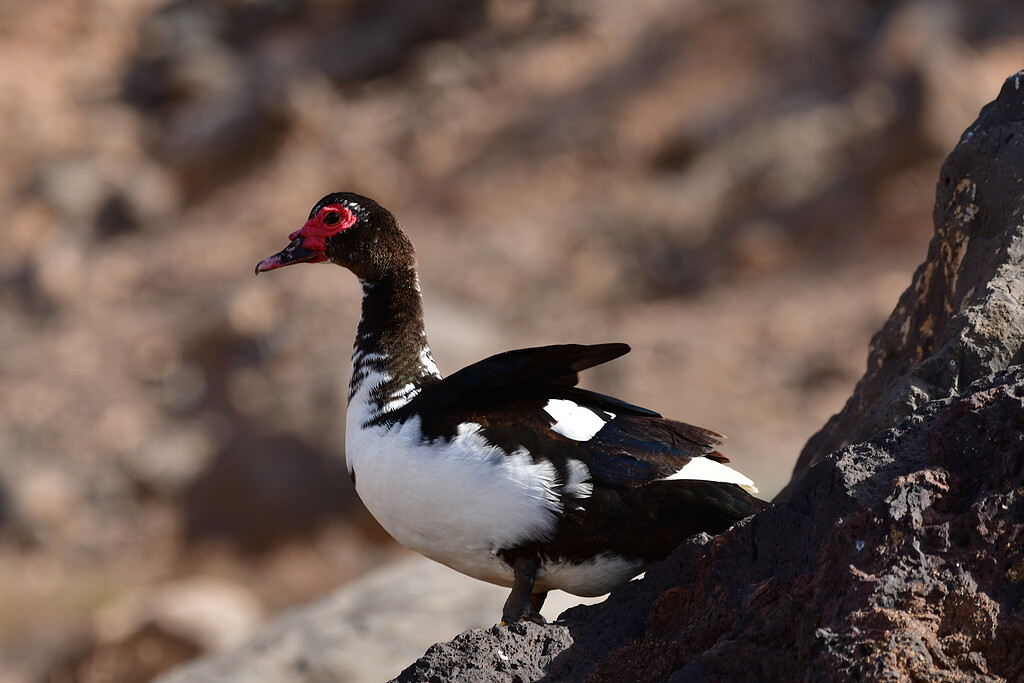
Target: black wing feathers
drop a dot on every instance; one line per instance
(505, 394)
(555, 364)
(558, 365)
(640, 449)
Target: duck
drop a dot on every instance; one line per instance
(506, 470)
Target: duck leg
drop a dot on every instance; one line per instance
(536, 602)
(522, 603)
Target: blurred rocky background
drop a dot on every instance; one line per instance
(739, 189)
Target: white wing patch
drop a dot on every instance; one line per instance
(704, 469)
(574, 421)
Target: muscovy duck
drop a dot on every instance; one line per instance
(506, 470)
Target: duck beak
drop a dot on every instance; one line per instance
(295, 252)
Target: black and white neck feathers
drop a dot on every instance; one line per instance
(391, 360)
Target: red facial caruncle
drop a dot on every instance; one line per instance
(309, 243)
(328, 221)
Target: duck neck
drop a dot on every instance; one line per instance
(391, 360)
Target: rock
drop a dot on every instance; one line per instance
(520, 652)
(136, 659)
(208, 612)
(368, 630)
(962, 317)
(152, 629)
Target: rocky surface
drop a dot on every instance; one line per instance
(368, 630)
(963, 316)
(896, 559)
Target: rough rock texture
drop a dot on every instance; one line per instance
(901, 558)
(963, 316)
(521, 652)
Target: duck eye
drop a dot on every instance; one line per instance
(332, 218)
